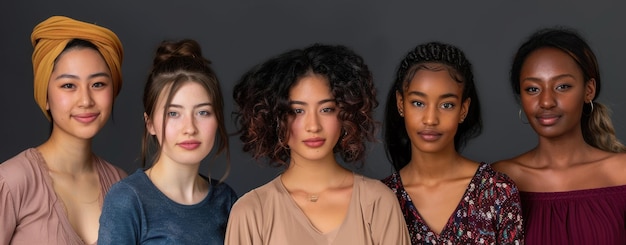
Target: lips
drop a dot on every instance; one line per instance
(547, 119)
(314, 142)
(429, 135)
(86, 117)
(189, 144)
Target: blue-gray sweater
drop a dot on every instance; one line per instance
(136, 212)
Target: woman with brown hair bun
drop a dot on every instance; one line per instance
(170, 202)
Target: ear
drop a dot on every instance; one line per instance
(149, 124)
(465, 109)
(400, 103)
(590, 90)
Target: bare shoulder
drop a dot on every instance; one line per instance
(513, 167)
(615, 167)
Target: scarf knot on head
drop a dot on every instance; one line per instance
(49, 39)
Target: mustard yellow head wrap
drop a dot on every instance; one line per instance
(50, 37)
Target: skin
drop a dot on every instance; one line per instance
(437, 176)
(553, 91)
(189, 137)
(80, 98)
(314, 131)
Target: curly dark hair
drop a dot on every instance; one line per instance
(262, 97)
(397, 141)
(177, 63)
(596, 126)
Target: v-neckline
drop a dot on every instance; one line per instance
(450, 220)
(303, 215)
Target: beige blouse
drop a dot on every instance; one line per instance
(268, 215)
(30, 211)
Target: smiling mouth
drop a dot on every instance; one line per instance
(548, 120)
(86, 118)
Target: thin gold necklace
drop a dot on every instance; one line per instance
(315, 197)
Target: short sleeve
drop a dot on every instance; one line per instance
(8, 213)
(387, 222)
(120, 221)
(244, 223)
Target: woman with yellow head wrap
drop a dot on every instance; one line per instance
(53, 193)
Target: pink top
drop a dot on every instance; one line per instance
(593, 216)
(30, 211)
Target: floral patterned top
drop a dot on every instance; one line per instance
(488, 213)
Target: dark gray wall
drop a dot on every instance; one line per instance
(238, 34)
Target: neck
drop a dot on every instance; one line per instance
(180, 182)
(314, 176)
(433, 166)
(562, 151)
(66, 154)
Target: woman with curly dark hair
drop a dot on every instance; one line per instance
(432, 111)
(298, 110)
(574, 181)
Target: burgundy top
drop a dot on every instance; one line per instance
(593, 216)
(488, 213)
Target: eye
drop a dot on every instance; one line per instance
(447, 105)
(328, 110)
(297, 111)
(563, 87)
(172, 114)
(99, 85)
(204, 113)
(68, 85)
(417, 103)
(531, 90)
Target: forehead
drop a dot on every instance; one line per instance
(549, 59)
(186, 92)
(436, 81)
(312, 85)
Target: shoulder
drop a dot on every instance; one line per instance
(615, 168)
(132, 185)
(513, 168)
(258, 199)
(251, 207)
(373, 190)
(223, 191)
(491, 183)
(109, 169)
(22, 169)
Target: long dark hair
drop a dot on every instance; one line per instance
(397, 142)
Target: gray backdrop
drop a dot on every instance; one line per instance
(235, 35)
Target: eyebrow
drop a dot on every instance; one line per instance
(296, 102)
(443, 96)
(99, 74)
(536, 79)
(195, 106)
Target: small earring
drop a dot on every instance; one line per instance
(591, 104)
(401, 113)
(519, 114)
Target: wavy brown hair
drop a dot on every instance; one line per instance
(262, 97)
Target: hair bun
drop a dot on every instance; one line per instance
(187, 48)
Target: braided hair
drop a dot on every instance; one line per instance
(397, 141)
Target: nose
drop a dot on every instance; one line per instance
(431, 116)
(547, 99)
(190, 127)
(312, 123)
(86, 98)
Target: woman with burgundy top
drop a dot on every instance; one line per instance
(573, 183)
